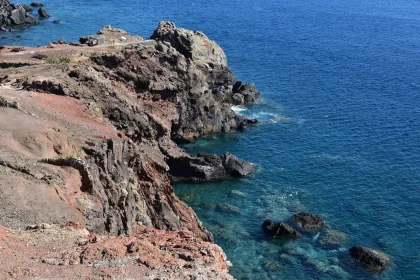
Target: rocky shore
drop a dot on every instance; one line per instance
(88, 147)
(19, 15)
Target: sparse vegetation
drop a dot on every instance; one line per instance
(97, 54)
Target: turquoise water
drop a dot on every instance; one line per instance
(340, 124)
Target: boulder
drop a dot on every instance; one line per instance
(307, 222)
(236, 167)
(371, 258)
(43, 13)
(206, 167)
(279, 230)
(31, 20)
(18, 16)
(27, 8)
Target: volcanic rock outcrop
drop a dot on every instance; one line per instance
(15, 14)
(88, 134)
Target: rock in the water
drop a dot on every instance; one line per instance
(271, 265)
(279, 230)
(332, 238)
(31, 20)
(43, 13)
(236, 193)
(371, 258)
(227, 208)
(27, 8)
(236, 167)
(207, 167)
(56, 21)
(18, 16)
(306, 221)
(37, 4)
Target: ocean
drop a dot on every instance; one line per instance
(339, 133)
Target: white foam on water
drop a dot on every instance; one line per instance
(238, 109)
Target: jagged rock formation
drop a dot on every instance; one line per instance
(15, 14)
(96, 137)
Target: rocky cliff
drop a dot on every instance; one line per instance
(89, 134)
(15, 14)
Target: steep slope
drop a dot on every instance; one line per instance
(93, 142)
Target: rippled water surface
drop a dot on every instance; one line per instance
(340, 124)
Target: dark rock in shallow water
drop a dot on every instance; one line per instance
(207, 167)
(43, 13)
(371, 258)
(60, 42)
(306, 221)
(236, 167)
(27, 8)
(56, 21)
(37, 4)
(271, 265)
(31, 20)
(279, 230)
(227, 208)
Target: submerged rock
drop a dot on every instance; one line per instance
(332, 238)
(271, 265)
(236, 193)
(279, 230)
(227, 208)
(307, 222)
(371, 258)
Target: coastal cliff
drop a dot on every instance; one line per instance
(89, 146)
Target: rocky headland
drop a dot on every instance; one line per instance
(89, 150)
(20, 15)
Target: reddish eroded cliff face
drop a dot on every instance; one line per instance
(92, 142)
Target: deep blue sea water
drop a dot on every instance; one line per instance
(340, 131)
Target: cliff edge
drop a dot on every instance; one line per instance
(88, 148)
